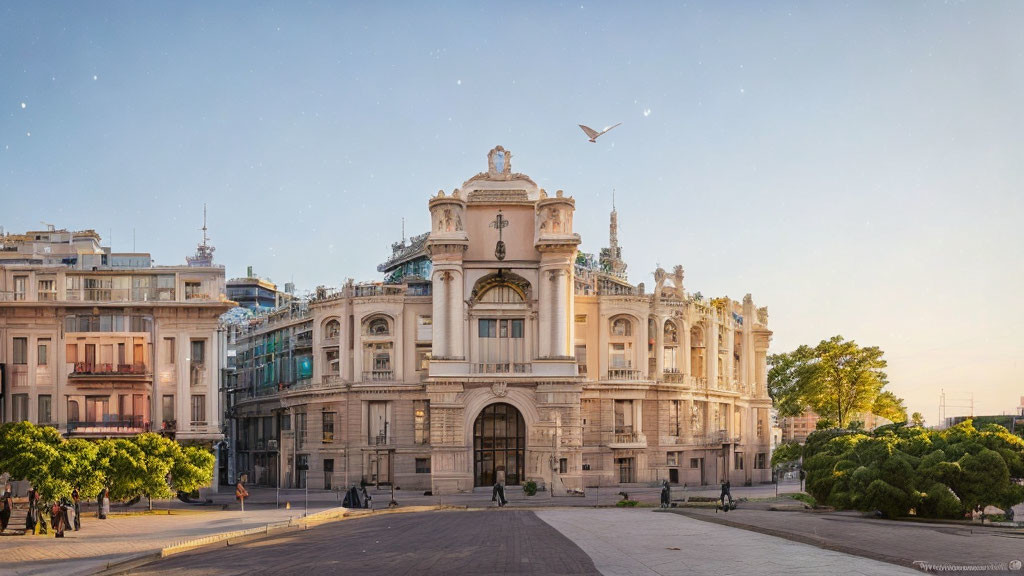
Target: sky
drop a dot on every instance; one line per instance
(856, 167)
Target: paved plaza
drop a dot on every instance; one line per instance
(533, 535)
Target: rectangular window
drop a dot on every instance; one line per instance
(45, 409)
(19, 407)
(198, 351)
(503, 329)
(617, 356)
(738, 461)
(694, 462)
(423, 465)
(169, 350)
(760, 460)
(20, 355)
(286, 422)
(193, 291)
(71, 353)
(379, 423)
(488, 328)
(674, 427)
(198, 409)
(672, 459)
(421, 421)
(517, 328)
(581, 359)
(47, 290)
(623, 416)
(424, 328)
(563, 465)
(43, 348)
(328, 426)
(167, 409)
(300, 429)
(20, 284)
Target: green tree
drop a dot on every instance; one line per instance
(917, 419)
(890, 406)
(30, 452)
(787, 452)
(192, 469)
(837, 379)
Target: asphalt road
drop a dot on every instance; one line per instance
(456, 542)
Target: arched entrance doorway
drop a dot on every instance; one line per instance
(499, 441)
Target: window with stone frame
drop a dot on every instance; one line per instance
(423, 465)
(421, 421)
(328, 426)
(675, 417)
(20, 352)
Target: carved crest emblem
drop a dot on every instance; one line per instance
(500, 389)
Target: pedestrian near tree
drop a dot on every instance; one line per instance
(77, 507)
(32, 517)
(6, 506)
(103, 504)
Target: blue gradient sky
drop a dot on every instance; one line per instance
(857, 168)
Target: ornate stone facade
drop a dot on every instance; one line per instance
(521, 353)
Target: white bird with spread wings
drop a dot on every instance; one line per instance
(593, 134)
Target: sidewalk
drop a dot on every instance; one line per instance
(120, 537)
(887, 540)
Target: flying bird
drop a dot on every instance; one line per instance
(593, 134)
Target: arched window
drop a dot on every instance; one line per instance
(502, 294)
(378, 327)
(622, 327)
(332, 329)
(671, 335)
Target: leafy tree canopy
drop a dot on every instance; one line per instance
(838, 379)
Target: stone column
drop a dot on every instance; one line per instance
(456, 343)
(544, 318)
(686, 366)
(558, 317)
(440, 312)
(659, 347)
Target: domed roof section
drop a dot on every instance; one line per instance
(500, 183)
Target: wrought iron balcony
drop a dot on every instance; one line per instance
(126, 425)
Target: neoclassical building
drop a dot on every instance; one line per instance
(496, 344)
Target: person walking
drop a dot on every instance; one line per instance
(498, 494)
(6, 506)
(666, 494)
(77, 508)
(32, 516)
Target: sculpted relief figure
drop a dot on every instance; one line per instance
(762, 315)
(669, 287)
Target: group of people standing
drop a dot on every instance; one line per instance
(64, 514)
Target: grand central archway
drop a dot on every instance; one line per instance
(499, 441)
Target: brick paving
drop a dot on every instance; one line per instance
(453, 542)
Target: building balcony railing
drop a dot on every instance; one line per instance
(125, 295)
(92, 369)
(623, 374)
(127, 425)
(330, 341)
(628, 440)
(379, 376)
(501, 368)
(675, 377)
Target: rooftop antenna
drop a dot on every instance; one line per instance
(205, 237)
(613, 198)
(403, 230)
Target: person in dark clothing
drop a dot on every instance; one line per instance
(726, 493)
(32, 517)
(666, 495)
(6, 506)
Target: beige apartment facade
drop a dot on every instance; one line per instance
(100, 344)
(520, 354)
